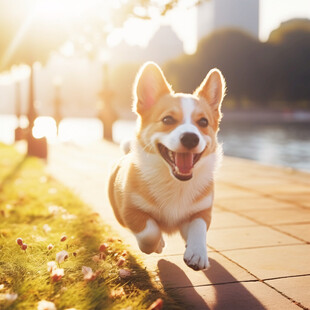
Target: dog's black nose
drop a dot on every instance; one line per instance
(189, 140)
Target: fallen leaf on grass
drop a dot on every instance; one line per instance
(24, 246)
(156, 305)
(121, 261)
(103, 247)
(46, 305)
(117, 293)
(124, 253)
(57, 274)
(50, 246)
(19, 241)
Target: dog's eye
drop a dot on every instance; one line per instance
(203, 122)
(169, 120)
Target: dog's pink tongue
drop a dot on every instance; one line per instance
(184, 162)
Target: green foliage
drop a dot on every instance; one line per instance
(30, 199)
(257, 74)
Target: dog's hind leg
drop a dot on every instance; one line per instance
(150, 238)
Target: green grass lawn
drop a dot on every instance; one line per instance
(40, 211)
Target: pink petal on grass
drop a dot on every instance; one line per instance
(46, 305)
(51, 266)
(57, 274)
(88, 273)
(124, 273)
(56, 210)
(46, 228)
(61, 256)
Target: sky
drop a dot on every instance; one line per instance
(273, 12)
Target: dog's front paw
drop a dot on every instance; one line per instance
(196, 258)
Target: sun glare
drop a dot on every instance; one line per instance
(44, 126)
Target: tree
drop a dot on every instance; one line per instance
(30, 29)
(291, 43)
(258, 74)
(26, 39)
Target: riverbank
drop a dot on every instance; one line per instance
(269, 139)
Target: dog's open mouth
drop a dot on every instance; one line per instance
(181, 163)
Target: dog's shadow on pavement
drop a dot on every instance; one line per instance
(220, 296)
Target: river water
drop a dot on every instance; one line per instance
(280, 143)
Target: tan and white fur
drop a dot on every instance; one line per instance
(165, 182)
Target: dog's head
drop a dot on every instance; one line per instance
(181, 128)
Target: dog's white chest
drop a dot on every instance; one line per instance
(175, 200)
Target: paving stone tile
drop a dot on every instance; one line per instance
(250, 203)
(247, 296)
(279, 216)
(241, 185)
(227, 192)
(290, 189)
(281, 261)
(224, 219)
(295, 288)
(173, 272)
(301, 198)
(247, 237)
(301, 231)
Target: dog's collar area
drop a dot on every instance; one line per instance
(181, 164)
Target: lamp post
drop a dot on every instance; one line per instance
(18, 130)
(36, 147)
(57, 82)
(18, 74)
(107, 113)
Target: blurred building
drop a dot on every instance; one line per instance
(242, 14)
(218, 14)
(164, 45)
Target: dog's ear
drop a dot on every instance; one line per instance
(149, 86)
(212, 89)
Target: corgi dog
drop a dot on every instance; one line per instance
(165, 182)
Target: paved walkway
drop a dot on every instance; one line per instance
(258, 241)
